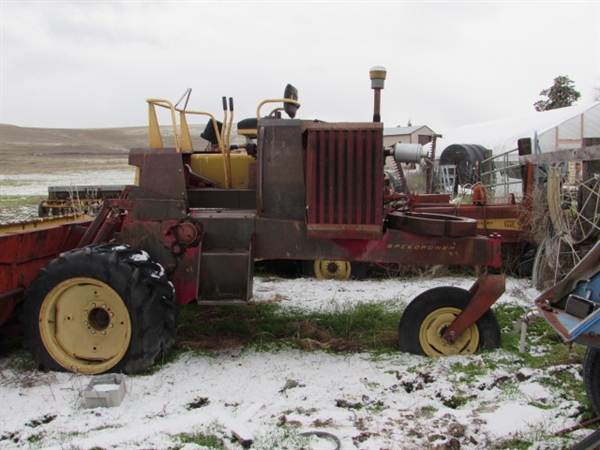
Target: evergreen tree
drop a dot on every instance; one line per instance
(561, 94)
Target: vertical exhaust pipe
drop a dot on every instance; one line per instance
(377, 74)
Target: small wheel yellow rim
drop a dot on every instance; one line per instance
(333, 270)
(85, 325)
(433, 327)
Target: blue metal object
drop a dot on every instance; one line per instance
(584, 300)
(572, 306)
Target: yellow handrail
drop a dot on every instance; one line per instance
(154, 135)
(275, 100)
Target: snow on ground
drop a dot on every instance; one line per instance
(367, 401)
(314, 295)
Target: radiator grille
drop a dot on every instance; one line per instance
(344, 181)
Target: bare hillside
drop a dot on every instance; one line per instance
(27, 150)
(43, 150)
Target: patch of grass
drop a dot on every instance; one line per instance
(341, 403)
(21, 362)
(301, 410)
(469, 372)
(47, 418)
(19, 207)
(524, 439)
(541, 405)
(508, 314)
(513, 444)
(539, 334)
(373, 326)
(455, 401)
(285, 436)
(371, 384)
(99, 428)
(376, 406)
(560, 364)
(204, 440)
(18, 181)
(262, 325)
(426, 411)
(35, 438)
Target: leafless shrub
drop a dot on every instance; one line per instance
(27, 379)
(534, 212)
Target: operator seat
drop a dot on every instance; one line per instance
(248, 128)
(209, 132)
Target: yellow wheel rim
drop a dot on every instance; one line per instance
(85, 326)
(432, 328)
(333, 270)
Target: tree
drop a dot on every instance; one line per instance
(561, 94)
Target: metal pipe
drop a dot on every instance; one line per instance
(525, 320)
(12, 293)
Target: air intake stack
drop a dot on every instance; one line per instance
(377, 74)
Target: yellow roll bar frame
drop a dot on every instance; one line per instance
(275, 100)
(183, 141)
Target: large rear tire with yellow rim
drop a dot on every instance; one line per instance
(426, 318)
(97, 309)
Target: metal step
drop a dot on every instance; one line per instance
(225, 276)
(224, 228)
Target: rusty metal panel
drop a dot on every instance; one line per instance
(344, 180)
(160, 171)
(504, 219)
(280, 180)
(394, 247)
(226, 229)
(432, 224)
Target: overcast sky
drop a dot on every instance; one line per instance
(92, 64)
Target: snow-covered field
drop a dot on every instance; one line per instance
(21, 193)
(38, 183)
(367, 401)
